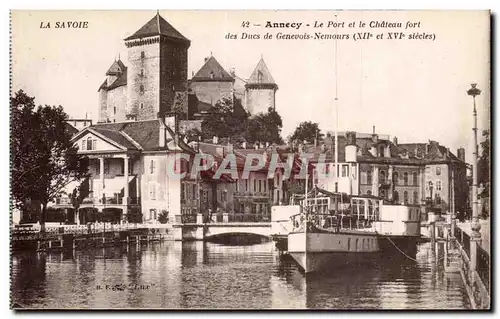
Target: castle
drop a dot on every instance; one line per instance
(154, 81)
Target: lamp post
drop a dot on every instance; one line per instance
(476, 226)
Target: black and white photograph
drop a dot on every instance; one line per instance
(250, 160)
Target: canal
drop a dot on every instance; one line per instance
(206, 275)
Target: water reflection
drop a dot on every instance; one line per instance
(207, 275)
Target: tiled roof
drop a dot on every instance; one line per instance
(144, 133)
(157, 26)
(115, 136)
(212, 71)
(120, 81)
(261, 74)
(116, 68)
(70, 129)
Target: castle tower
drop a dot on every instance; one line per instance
(260, 90)
(157, 70)
(212, 83)
(112, 93)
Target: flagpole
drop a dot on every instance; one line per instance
(336, 111)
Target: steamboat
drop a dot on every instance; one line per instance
(331, 230)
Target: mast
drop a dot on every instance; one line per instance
(337, 170)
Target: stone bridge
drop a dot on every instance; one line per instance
(207, 231)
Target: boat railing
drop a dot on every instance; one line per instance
(330, 221)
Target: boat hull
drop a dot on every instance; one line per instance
(323, 251)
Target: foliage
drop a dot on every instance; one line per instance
(179, 101)
(265, 127)
(225, 119)
(483, 165)
(44, 159)
(163, 217)
(307, 132)
(134, 215)
(192, 134)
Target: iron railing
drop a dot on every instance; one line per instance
(483, 266)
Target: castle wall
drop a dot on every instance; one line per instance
(143, 71)
(173, 75)
(211, 91)
(116, 104)
(259, 100)
(103, 102)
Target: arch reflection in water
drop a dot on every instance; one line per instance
(193, 275)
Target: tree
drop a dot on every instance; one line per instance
(307, 132)
(163, 217)
(226, 119)
(265, 127)
(483, 165)
(45, 160)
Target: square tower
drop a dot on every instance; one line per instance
(157, 70)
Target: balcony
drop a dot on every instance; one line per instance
(111, 201)
(252, 194)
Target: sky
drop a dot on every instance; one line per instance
(412, 89)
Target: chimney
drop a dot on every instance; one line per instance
(374, 136)
(215, 140)
(461, 154)
(395, 140)
(163, 132)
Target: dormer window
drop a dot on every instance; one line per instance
(212, 74)
(141, 89)
(141, 105)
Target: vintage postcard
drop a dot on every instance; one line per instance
(250, 160)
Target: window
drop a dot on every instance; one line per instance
(152, 166)
(255, 185)
(438, 199)
(368, 192)
(84, 145)
(142, 73)
(415, 198)
(143, 55)
(89, 143)
(114, 110)
(353, 171)
(405, 178)
(141, 105)
(382, 193)
(369, 176)
(259, 77)
(395, 178)
(381, 151)
(246, 185)
(438, 170)
(396, 196)
(382, 177)
(141, 88)
(438, 185)
(405, 197)
(260, 186)
(415, 179)
(152, 192)
(345, 170)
